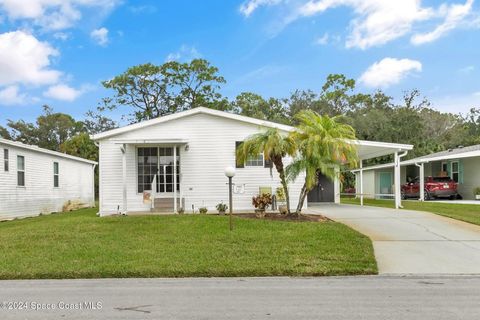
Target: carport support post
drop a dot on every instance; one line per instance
(398, 200)
(175, 209)
(361, 182)
(421, 177)
(124, 176)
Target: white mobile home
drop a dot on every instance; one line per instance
(178, 161)
(35, 180)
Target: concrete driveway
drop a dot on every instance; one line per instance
(412, 242)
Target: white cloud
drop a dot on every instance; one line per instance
(323, 40)
(54, 14)
(466, 70)
(100, 36)
(26, 60)
(11, 96)
(389, 71)
(61, 36)
(63, 92)
(376, 22)
(454, 15)
(185, 53)
(248, 7)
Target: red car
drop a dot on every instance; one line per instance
(435, 187)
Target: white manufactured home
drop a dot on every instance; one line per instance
(35, 181)
(178, 161)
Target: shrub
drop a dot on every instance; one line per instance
(476, 191)
(222, 207)
(262, 201)
(280, 193)
(203, 210)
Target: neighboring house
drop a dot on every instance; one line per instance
(462, 164)
(35, 180)
(140, 157)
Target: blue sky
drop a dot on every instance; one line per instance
(57, 52)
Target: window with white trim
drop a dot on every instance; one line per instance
(5, 160)
(255, 161)
(56, 175)
(455, 171)
(21, 171)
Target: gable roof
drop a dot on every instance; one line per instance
(182, 114)
(456, 153)
(42, 150)
(366, 149)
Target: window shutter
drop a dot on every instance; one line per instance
(237, 164)
(460, 171)
(268, 163)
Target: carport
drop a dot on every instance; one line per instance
(372, 149)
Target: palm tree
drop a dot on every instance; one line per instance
(324, 144)
(275, 146)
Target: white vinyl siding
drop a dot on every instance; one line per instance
(211, 148)
(38, 195)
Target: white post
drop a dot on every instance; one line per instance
(336, 185)
(124, 177)
(93, 185)
(422, 181)
(361, 182)
(398, 200)
(175, 210)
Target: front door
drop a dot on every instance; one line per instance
(323, 191)
(385, 184)
(165, 170)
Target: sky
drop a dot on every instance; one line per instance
(57, 52)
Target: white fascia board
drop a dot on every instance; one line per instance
(398, 146)
(470, 154)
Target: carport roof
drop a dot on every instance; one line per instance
(373, 149)
(456, 153)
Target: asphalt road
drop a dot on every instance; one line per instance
(374, 297)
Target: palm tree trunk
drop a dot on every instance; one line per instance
(303, 195)
(277, 160)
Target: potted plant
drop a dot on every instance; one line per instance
(476, 191)
(261, 203)
(281, 199)
(203, 210)
(222, 208)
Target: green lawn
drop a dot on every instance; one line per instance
(81, 245)
(465, 212)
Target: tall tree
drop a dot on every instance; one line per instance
(50, 130)
(274, 146)
(157, 90)
(323, 144)
(255, 106)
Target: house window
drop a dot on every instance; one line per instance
(21, 171)
(160, 162)
(147, 161)
(256, 161)
(455, 171)
(56, 176)
(5, 160)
